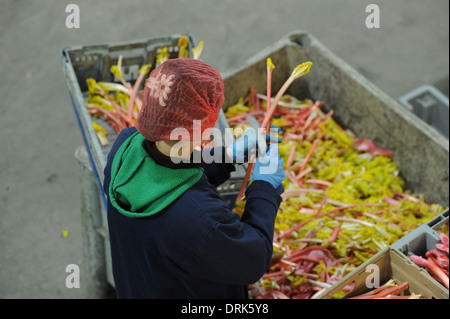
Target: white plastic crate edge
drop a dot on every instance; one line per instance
(98, 163)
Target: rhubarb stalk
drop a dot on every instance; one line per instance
(308, 156)
(432, 268)
(117, 71)
(299, 71)
(395, 290)
(251, 164)
(142, 73)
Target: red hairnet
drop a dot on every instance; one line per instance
(177, 93)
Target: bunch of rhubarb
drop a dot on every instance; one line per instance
(436, 261)
(389, 290)
(119, 103)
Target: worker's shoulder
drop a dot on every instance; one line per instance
(121, 138)
(204, 201)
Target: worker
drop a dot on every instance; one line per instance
(171, 234)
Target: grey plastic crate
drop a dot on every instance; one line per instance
(392, 264)
(423, 238)
(429, 104)
(421, 153)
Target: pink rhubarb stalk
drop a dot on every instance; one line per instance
(395, 290)
(299, 71)
(441, 258)
(270, 68)
(119, 112)
(291, 156)
(432, 268)
(373, 292)
(142, 73)
(250, 165)
(310, 152)
(117, 124)
(334, 234)
(444, 239)
(302, 174)
(442, 247)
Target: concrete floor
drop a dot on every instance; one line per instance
(39, 183)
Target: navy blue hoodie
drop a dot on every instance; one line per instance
(194, 247)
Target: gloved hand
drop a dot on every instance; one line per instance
(269, 167)
(247, 144)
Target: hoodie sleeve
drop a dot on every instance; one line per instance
(216, 166)
(239, 250)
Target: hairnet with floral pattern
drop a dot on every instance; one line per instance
(177, 93)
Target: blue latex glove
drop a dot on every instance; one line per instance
(269, 167)
(247, 144)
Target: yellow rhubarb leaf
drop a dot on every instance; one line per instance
(145, 68)
(270, 65)
(117, 69)
(198, 50)
(163, 55)
(301, 69)
(101, 133)
(183, 43)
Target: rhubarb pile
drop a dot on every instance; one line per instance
(344, 199)
(436, 261)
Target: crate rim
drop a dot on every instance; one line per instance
(311, 41)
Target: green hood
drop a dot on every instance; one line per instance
(139, 187)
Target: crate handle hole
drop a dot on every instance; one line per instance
(302, 40)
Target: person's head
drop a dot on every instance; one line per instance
(181, 100)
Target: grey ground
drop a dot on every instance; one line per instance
(39, 182)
